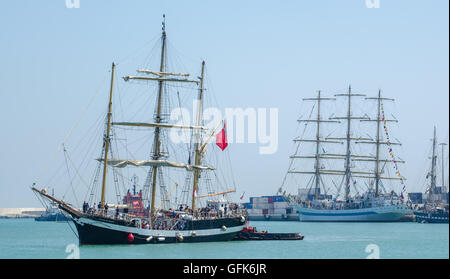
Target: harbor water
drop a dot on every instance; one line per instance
(28, 239)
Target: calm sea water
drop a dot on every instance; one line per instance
(27, 239)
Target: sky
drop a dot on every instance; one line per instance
(260, 54)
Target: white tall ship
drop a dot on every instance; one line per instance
(358, 165)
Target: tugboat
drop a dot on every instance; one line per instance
(250, 233)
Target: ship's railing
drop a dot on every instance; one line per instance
(358, 204)
(217, 215)
(168, 219)
(109, 214)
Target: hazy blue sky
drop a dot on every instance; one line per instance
(259, 54)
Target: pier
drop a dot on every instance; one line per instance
(7, 213)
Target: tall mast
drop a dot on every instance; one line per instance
(348, 173)
(197, 141)
(316, 192)
(377, 159)
(106, 139)
(433, 165)
(156, 142)
(347, 153)
(443, 165)
(378, 142)
(318, 156)
(162, 77)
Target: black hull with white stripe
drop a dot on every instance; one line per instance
(94, 229)
(94, 235)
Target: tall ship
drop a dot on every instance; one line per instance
(358, 164)
(436, 207)
(202, 213)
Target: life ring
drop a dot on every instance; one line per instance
(180, 237)
(267, 216)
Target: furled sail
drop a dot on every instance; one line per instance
(160, 125)
(118, 163)
(156, 73)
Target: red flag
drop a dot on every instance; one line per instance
(242, 195)
(221, 138)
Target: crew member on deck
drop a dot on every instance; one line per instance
(106, 209)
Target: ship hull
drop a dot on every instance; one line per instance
(93, 232)
(52, 218)
(424, 217)
(270, 217)
(392, 213)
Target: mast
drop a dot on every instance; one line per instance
(433, 165)
(317, 171)
(347, 153)
(106, 140)
(378, 141)
(348, 173)
(316, 192)
(197, 141)
(156, 142)
(161, 77)
(442, 161)
(377, 160)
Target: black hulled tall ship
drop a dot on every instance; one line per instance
(435, 209)
(201, 218)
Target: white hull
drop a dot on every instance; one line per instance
(273, 217)
(388, 213)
